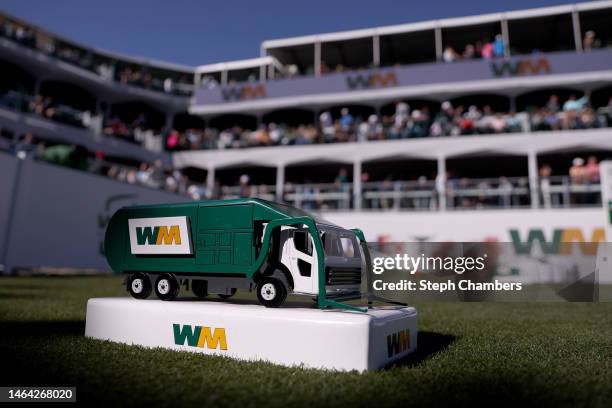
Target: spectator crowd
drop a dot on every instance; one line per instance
(480, 49)
(46, 107)
(137, 131)
(450, 119)
(109, 68)
(152, 175)
(405, 122)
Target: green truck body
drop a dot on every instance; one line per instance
(233, 244)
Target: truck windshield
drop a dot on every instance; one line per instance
(339, 243)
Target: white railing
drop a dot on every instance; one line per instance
(463, 193)
(560, 192)
(263, 191)
(499, 192)
(416, 195)
(329, 196)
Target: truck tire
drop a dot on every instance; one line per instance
(139, 285)
(166, 287)
(271, 292)
(199, 288)
(227, 296)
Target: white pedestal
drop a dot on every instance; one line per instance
(314, 338)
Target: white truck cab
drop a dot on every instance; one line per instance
(343, 260)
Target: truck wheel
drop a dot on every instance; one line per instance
(166, 287)
(139, 285)
(232, 293)
(199, 288)
(271, 292)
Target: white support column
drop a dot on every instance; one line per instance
(270, 72)
(439, 49)
(357, 185)
(376, 50)
(532, 164)
(317, 58)
(441, 182)
(224, 77)
(577, 30)
(506, 36)
(210, 182)
(98, 118)
(513, 103)
(280, 182)
(262, 67)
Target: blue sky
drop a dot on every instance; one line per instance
(196, 32)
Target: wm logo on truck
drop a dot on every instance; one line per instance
(398, 342)
(160, 236)
(199, 336)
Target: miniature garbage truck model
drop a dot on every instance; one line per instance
(219, 247)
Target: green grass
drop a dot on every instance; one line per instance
(509, 354)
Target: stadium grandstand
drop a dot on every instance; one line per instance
(412, 120)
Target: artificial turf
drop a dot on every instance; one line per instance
(470, 354)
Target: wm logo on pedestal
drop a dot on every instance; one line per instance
(199, 336)
(398, 342)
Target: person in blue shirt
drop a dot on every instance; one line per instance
(346, 119)
(576, 104)
(498, 46)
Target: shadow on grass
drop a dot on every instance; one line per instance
(16, 330)
(428, 344)
(22, 351)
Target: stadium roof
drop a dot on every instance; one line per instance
(329, 37)
(432, 24)
(237, 64)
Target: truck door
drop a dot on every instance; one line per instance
(299, 256)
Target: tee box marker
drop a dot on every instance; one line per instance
(314, 338)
